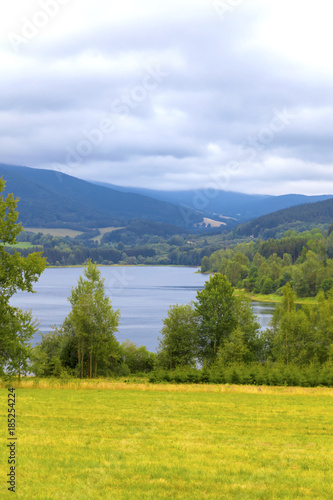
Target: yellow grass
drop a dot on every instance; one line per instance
(104, 230)
(143, 385)
(61, 232)
(129, 441)
(214, 223)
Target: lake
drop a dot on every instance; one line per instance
(142, 294)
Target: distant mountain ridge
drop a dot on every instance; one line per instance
(240, 206)
(305, 217)
(53, 199)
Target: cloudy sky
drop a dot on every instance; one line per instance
(171, 95)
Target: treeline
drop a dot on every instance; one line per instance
(251, 374)
(304, 260)
(222, 334)
(126, 248)
(215, 339)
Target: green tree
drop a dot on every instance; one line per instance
(217, 319)
(138, 359)
(321, 321)
(235, 349)
(225, 321)
(16, 273)
(178, 344)
(94, 322)
(291, 336)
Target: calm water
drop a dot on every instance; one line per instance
(142, 294)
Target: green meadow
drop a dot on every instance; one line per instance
(101, 440)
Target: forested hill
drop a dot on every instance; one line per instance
(241, 206)
(53, 199)
(300, 218)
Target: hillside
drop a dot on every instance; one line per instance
(301, 217)
(242, 207)
(53, 199)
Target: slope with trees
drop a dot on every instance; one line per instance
(301, 217)
(305, 260)
(53, 199)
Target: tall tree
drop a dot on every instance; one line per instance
(215, 306)
(16, 273)
(94, 322)
(178, 345)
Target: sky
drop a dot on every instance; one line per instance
(188, 94)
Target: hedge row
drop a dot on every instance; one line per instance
(258, 374)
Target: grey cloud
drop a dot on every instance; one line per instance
(221, 89)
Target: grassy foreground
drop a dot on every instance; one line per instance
(113, 440)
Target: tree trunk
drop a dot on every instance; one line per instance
(79, 354)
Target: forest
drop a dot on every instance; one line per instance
(141, 242)
(305, 260)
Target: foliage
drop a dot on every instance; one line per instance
(179, 344)
(137, 359)
(93, 321)
(264, 267)
(85, 345)
(16, 273)
(215, 307)
(226, 322)
(237, 372)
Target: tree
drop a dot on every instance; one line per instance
(16, 273)
(235, 349)
(138, 359)
(225, 322)
(178, 345)
(215, 307)
(291, 336)
(94, 322)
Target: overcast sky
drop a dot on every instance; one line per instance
(171, 95)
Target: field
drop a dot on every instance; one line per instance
(24, 244)
(105, 440)
(61, 232)
(104, 230)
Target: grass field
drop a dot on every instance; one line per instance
(104, 230)
(104, 440)
(61, 232)
(24, 244)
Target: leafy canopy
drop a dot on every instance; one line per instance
(16, 273)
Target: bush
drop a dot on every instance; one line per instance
(254, 374)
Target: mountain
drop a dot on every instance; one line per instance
(240, 206)
(300, 217)
(53, 199)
